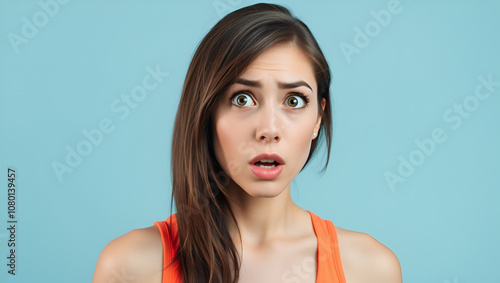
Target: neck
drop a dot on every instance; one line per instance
(259, 219)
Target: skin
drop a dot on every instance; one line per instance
(276, 234)
(272, 226)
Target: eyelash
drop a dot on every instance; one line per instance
(296, 93)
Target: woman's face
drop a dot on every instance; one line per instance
(272, 108)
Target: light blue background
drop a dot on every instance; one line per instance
(442, 222)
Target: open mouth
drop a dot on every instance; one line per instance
(267, 166)
(266, 163)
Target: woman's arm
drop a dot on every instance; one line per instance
(364, 259)
(133, 257)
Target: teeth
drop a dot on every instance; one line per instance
(267, 160)
(267, 167)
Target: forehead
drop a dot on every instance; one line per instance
(286, 62)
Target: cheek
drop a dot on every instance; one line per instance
(229, 139)
(302, 140)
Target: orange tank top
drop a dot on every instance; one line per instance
(328, 256)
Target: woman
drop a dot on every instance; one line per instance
(255, 103)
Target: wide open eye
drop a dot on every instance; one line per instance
(297, 101)
(242, 100)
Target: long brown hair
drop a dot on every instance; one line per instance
(206, 252)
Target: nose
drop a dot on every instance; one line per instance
(269, 125)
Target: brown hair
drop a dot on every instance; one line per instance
(206, 251)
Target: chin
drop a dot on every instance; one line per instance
(264, 195)
(264, 190)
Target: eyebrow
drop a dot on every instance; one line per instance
(281, 85)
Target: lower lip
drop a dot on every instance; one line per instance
(266, 174)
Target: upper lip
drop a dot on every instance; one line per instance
(276, 157)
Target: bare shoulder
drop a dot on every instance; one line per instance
(136, 255)
(364, 259)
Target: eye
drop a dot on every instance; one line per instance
(297, 101)
(242, 100)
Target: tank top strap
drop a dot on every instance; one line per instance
(170, 240)
(329, 263)
(328, 257)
